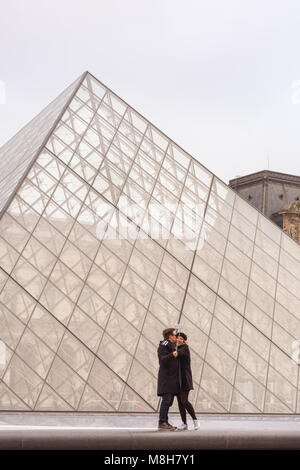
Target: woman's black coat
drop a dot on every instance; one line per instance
(168, 374)
(185, 368)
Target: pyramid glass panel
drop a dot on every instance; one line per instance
(110, 233)
(17, 154)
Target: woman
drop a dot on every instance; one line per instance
(186, 382)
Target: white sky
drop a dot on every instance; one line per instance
(216, 76)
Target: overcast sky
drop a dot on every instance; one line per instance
(220, 77)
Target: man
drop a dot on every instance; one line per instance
(168, 376)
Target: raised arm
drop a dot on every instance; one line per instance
(165, 355)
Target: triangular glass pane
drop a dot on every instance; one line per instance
(50, 401)
(9, 401)
(132, 403)
(91, 401)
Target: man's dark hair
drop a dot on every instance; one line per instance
(167, 332)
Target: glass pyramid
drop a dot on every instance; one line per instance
(110, 233)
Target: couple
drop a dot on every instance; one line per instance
(174, 378)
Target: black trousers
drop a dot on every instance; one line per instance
(184, 405)
(167, 401)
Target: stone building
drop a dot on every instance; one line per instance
(290, 220)
(276, 195)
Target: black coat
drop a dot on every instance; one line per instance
(185, 368)
(168, 374)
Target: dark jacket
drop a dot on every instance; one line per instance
(185, 368)
(168, 374)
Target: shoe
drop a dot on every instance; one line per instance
(166, 427)
(196, 424)
(182, 427)
(174, 427)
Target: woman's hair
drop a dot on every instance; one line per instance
(183, 335)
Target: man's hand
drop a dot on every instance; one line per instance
(175, 353)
